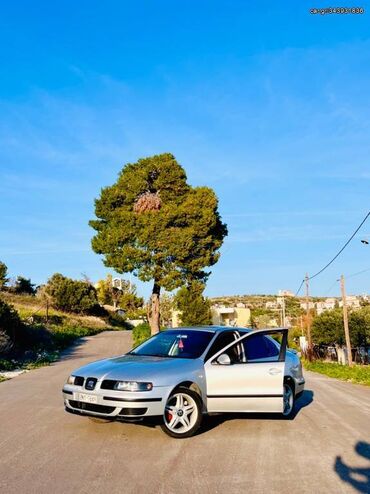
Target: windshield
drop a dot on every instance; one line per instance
(175, 343)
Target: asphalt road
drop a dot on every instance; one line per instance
(325, 449)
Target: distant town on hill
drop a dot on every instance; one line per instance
(283, 309)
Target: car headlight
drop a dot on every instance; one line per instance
(132, 386)
(71, 380)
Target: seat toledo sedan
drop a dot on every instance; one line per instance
(181, 374)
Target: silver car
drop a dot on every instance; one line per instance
(181, 374)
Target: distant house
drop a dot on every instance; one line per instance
(328, 304)
(230, 316)
(285, 293)
(352, 301)
(303, 305)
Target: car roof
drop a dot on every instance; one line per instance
(218, 329)
(211, 329)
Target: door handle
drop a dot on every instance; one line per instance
(274, 371)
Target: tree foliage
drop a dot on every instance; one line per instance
(293, 307)
(167, 307)
(71, 295)
(125, 297)
(23, 286)
(328, 328)
(194, 308)
(152, 223)
(107, 293)
(3, 275)
(263, 318)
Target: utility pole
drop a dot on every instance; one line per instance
(345, 321)
(308, 319)
(283, 310)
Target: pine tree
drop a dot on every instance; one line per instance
(153, 223)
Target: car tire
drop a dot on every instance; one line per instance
(288, 401)
(183, 413)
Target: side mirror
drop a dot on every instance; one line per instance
(223, 359)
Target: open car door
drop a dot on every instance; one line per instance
(248, 374)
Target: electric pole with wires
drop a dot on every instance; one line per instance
(345, 321)
(308, 319)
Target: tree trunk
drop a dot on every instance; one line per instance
(154, 309)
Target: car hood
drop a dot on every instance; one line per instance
(160, 371)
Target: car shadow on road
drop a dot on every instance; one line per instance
(358, 478)
(212, 421)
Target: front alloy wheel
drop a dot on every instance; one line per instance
(183, 413)
(288, 400)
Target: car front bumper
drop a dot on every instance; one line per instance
(115, 404)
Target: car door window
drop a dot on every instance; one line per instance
(256, 347)
(221, 341)
(260, 348)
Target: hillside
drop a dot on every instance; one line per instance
(40, 337)
(255, 301)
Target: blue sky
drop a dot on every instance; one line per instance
(264, 102)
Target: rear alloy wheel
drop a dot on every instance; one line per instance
(288, 400)
(183, 413)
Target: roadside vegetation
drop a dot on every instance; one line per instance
(140, 333)
(328, 329)
(36, 325)
(28, 341)
(359, 374)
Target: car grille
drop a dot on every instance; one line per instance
(108, 384)
(79, 381)
(91, 407)
(133, 411)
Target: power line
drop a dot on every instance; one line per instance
(336, 255)
(359, 272)
(329, 290)
(342, 249)
(299, 289)
(347, 277)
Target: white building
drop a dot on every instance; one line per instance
(285, 293)
(352, 301)
(303, 305)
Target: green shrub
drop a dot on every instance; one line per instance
(10, 326)
(328, 329)
(72, 295)
(3, 275)
(23, 286)
(141, 333)
(194, 308)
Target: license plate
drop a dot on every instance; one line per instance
(87, 398)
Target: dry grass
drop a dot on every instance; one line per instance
(42, 340)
